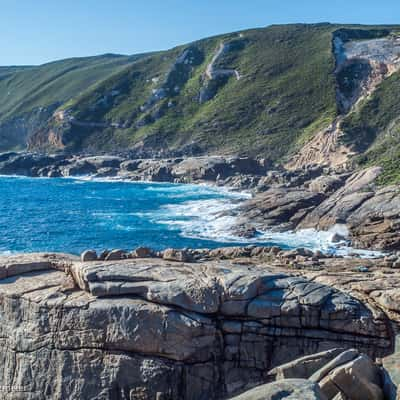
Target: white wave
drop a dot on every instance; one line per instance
(211, 220)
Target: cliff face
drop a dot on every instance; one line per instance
(155, 329)
(15, 133)
(364, 59)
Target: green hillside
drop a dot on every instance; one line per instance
(374, 130)
(285, 90)
(261, 92)
(24, 89)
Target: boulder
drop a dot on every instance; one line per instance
(359, 379)
(116, 254)
(289, 389)
(175, 255)
(103, 255)
(89, 255)
(342, 358)
(142, 252)
(391, 374)
(202, 168)
(304, 367)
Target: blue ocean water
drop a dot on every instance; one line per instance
(72, 215)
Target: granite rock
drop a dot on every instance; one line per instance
(151, 328)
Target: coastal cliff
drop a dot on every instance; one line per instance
(149, 328)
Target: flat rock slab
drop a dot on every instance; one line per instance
(182, 331)
(22, 263)
(230, 290)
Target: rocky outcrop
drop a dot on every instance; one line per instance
(350, 375)
(279, 208)
(15, 132)
(283, 200)
(240, 172)
(173, 82)
(151, 328)
(367, 216)
(376, 223)
(289, 389)
(338, 207)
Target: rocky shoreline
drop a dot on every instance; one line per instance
(170, 326)
(349, 202)
(194, 324)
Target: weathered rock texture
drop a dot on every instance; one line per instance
(371, 215)
(154, 329)
(350, 375)
(289, 389)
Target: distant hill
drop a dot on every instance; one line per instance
(293, 94)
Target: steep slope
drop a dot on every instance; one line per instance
(29, 95)
(365, 58)
(374, 130)
(293, 94)
(253, 92)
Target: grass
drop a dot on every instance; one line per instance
(287, 85)
(374, 130)
(286, 94)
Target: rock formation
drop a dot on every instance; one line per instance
(155, 329)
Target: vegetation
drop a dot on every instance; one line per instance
(374, 130)
(286, 85)
(286, 94)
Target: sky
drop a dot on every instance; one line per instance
(39, 31)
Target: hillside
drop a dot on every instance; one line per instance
(29, 95)
(295, 94)
(241, 92)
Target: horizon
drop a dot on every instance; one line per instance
(40, 34)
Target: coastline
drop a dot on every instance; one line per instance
(247, 309)
(214, 219)
(281, 201)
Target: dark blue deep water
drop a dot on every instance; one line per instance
(72, 215)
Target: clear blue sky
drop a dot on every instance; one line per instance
(37, 31)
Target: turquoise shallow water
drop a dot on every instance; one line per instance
(71, 215)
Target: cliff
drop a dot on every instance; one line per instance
(157, 329)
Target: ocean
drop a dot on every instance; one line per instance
(72, 215)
